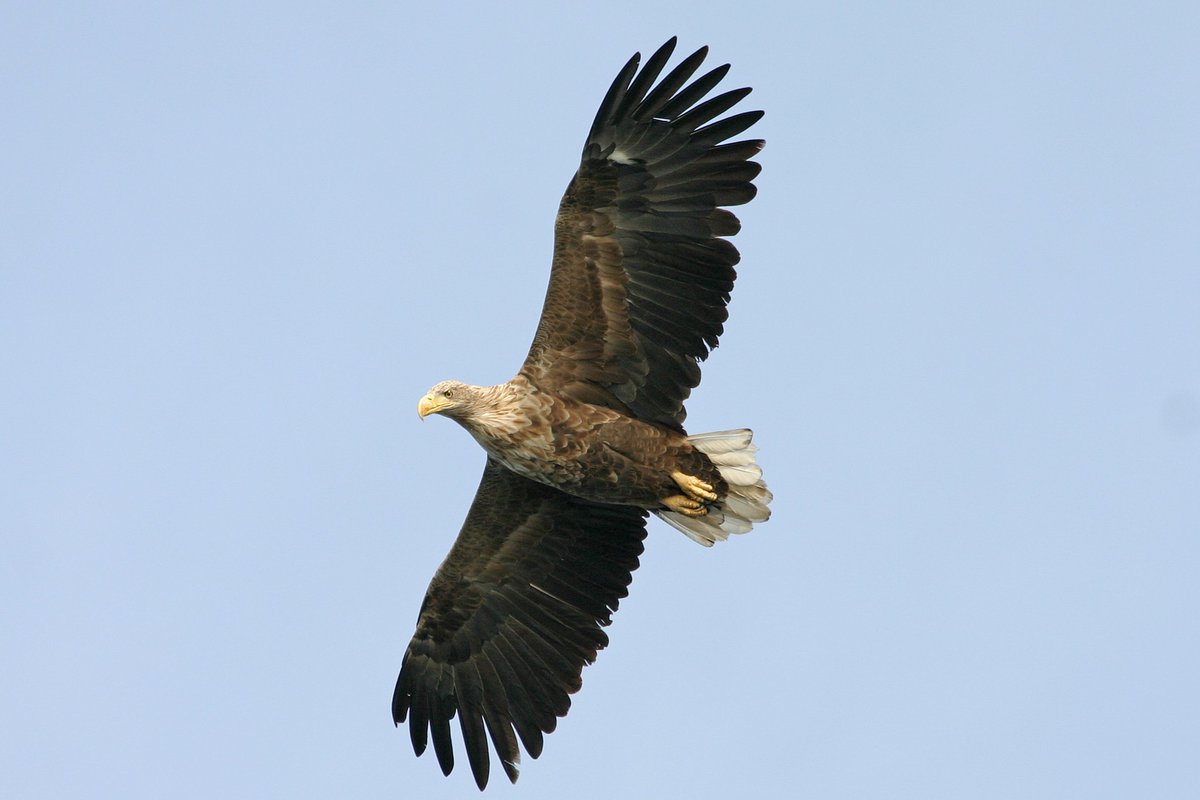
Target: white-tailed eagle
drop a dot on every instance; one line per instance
(588, 437)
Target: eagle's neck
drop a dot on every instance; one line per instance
(509, 421)
(500, 413)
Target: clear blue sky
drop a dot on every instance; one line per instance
(237, 244)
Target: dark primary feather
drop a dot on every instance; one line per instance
(511, 617)
(641, 273)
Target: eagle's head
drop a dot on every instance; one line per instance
(483, 410)
(452, 398)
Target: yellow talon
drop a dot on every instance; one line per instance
(685, 505)
(694, 488)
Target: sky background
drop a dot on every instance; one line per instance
(238, 242)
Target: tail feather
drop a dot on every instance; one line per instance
(737, 458)
(741, 476)
(746, 503)
(753, 512)
(717, 442)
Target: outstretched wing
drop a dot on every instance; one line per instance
(641, 272)
(512, 616)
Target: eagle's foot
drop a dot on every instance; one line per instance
(694, 488)
(685, 505)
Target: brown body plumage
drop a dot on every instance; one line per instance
(589, 451)
(588, 437)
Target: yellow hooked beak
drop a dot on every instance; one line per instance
(431, 404)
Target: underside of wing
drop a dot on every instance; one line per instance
(642, 270)
(512, 616)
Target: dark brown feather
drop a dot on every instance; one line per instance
(641, 273)
(511, 618)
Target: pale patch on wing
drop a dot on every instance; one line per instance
(620, 157)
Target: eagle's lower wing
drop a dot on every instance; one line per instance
(641, 271)
(512, 616)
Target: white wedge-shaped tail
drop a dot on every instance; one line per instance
(746, 502)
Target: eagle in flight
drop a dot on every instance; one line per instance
(588, 437)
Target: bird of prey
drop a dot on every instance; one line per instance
(588, 437)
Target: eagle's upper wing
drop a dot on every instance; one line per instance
(641, 274)
(512, 616)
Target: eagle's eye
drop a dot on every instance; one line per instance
(447, 394)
